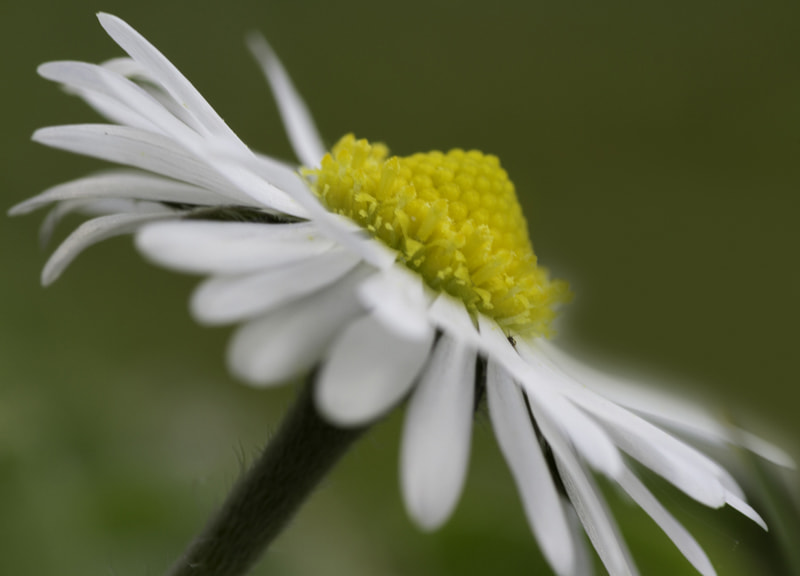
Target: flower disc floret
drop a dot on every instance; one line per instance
(453, 217)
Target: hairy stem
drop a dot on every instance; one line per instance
(269, 494)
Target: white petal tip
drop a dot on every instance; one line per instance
(424, 520)
(249, 374)
(111, 23)
(106, 18)
(437, 434)
(744, 508)
(37, 135)
(47, 135)
(339, 410)
(248, 361)
(50, 273)
(258, 45)
(18, 209)
(764, 449)
(338, 414)
(42, 69)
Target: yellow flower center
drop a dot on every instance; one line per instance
(453, 218)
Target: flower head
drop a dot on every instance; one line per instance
(453, 218)
(396, 276)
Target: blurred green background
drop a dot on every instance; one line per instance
(655, 149)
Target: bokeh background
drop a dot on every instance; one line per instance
(654, 146)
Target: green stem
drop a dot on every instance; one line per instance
(269, 494)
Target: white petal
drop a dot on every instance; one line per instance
(337, 227)
(183, 91)
(671, 527)
(278, 173)
(437, 432)
(693, 472)
(744, 508)
(641, 397)
(588, 502)
(275, 173)
(451, 315)
(518, 443)
(132, 69)
(229, 247)
(763, 448)
(138, 148)
(120, 184)
(663, 454)
(368, 370)
(161, 69)
(163, 155)
(397, 298)
(54, 217)
(344, 231)
(544, 388)
(113, 110)
(584, 559)
(58, 213)
(591, 441)
(224, 299)
(297, 119)
(290, 340)
(83, 77)
(678, 463)
(128, 67)
(91, 232)
(98, 207)
(665, 408)
(244, 179)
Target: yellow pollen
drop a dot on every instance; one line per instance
(453, 218)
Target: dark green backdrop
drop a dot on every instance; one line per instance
(655, 148)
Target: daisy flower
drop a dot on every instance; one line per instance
(387, 278)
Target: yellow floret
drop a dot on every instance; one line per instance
(453, 218)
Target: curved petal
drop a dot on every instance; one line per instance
(99, 207)
(92, 232)
(520, 447)
(437, 433)
(160, 68)
(368, 370)
(120, 184)
(297, 119)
